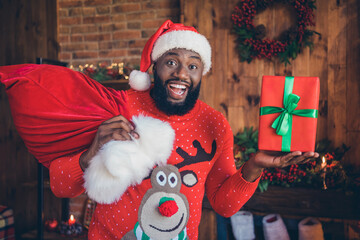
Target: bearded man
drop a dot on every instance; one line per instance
(197, 143)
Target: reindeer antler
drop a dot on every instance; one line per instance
(201, 155)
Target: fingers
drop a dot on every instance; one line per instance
(281, 160)
(119, 122)
(116, 128)
(115, 134)
(298, 157)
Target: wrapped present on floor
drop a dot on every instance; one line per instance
(7, 229)
(288, 113)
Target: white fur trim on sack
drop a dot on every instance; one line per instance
(139, 81)
(121, 164)
(184, 39)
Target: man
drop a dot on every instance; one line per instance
(201, 150)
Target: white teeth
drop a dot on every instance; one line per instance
(177, 86)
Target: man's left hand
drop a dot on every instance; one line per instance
(272, 159)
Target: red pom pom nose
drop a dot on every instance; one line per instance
(167, 207)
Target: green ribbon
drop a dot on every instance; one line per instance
(164, 199)
(283, 123)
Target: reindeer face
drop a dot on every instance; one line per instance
(164, 211)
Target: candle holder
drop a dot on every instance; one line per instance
(323, 174)
(71, 227)
(324, 181)
(72, 230)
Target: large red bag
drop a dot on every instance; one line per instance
(57, 110)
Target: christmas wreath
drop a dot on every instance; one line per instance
(251, 41)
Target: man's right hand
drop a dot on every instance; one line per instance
(116, 128)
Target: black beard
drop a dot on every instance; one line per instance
(159, 94)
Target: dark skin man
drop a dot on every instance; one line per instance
(178, 75)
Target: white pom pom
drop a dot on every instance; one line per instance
(139, 81)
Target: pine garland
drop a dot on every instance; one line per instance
(103, 72)
(310, 174)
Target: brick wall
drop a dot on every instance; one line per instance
(111, 31)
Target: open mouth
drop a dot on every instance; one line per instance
(177, 91)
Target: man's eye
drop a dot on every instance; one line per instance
(192, 66)
(171, 62)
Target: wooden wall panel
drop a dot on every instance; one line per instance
(318, 62)
(28, 30)
(17, 169)
(207, 231)
(337, 40)
(353, 80)
(233, 87)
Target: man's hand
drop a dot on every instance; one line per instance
(116, 128)
(271, 159)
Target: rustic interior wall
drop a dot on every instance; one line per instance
(94, 31)
(111, 31)
(28, 31)
(233, 87)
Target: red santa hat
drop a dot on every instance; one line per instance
(169, 36)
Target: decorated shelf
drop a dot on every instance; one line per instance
(297, 202)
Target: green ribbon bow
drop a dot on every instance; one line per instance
(283, 123)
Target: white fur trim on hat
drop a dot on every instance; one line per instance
(183, 39)
(139, 81)
(121, 164)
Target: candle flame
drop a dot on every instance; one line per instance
(323, 159)
(72, 217)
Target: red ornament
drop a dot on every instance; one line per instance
(51, 224)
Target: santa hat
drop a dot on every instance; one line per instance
(169, 36)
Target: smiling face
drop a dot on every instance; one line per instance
(177, 79)
(161, 227)
(166, 184)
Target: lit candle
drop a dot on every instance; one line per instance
(71, 220)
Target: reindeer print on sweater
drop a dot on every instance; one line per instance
(202, 154)
(164, 211)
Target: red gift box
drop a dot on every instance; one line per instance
(7, 226)
(288, 113)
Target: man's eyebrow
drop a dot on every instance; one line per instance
(176, 54)
(172, 53)
(196, 57)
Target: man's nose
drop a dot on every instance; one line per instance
(182, 72)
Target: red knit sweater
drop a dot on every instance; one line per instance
(203, 137)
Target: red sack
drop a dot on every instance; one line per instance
(57, 110)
